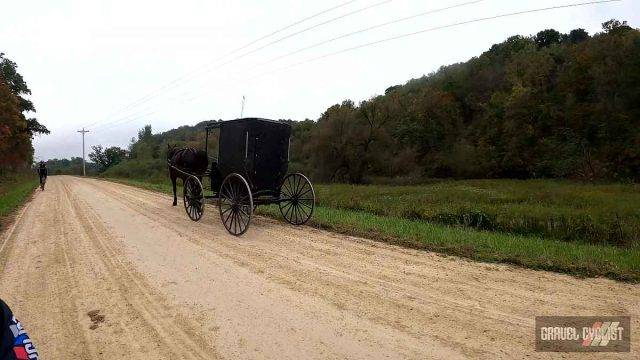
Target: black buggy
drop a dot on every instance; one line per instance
(251, 170)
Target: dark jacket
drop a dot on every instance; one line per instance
(14, 341)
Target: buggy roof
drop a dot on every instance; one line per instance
(247, 122)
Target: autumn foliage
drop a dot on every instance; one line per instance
(551, 105)
(16, 130)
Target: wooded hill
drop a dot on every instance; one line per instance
(546, 106)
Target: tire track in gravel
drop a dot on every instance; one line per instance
(346, 275)
(279, 291)
(170, 330)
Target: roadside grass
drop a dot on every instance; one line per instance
(534, 252)
(14, 190)
(562, 210)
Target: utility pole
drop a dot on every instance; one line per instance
(242, 111)
(83, 131)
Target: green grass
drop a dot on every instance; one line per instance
(14, 191)
(370, 219)
(585, 213)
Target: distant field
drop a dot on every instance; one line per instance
(380, 212)
(13, 191)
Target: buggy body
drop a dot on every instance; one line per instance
(257, 149)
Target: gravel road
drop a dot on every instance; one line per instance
(98, 270)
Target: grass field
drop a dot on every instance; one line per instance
(377, 212)
(13, 192)
(585, 213)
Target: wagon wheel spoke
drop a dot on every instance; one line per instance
(294, 186)
(228, 216)
(244, 212)
(225, 211)
(239, 222)
(298, 183)
(286, 215)
(298, 215)
(227, 191)
(294, 214)
(288, 188)
(244, 220)
(304, 193)
(304, 212)
(234, 221)
(236, 191)
(288, 205)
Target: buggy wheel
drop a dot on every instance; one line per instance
(297, 199)
(193, 197)
(236, 204)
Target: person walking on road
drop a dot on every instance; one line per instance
(42, 172)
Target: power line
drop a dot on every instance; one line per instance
(126, 120)
(430, 30)
(371, 28)
(350, 34)
(300, 32)
(311, 28)
(191, 75)
(119, 119)
(169, 84)
(437, 28)
(196, 72)
(420, 32)
(290, 26)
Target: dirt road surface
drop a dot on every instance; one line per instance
(97, 270)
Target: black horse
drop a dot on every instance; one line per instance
(189, 160)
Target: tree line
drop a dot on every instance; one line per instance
(546, 106)
(16, 128)
(550, 105)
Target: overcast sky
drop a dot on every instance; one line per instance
(86, 61)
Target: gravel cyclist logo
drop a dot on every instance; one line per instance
(583, 333)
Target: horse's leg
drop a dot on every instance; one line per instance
(173, 183)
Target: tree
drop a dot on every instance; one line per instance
(529, 107)
(576, 36)
(9, 74)
(16, 131)
(15, 144)
(547, 38)
(106, 158)
(615, 27)
(145, 133)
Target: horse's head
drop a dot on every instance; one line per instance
(171, 150)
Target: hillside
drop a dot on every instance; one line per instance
(546, 106)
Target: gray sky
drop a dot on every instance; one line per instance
(86, 60)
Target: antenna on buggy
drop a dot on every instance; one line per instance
(242, 110)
